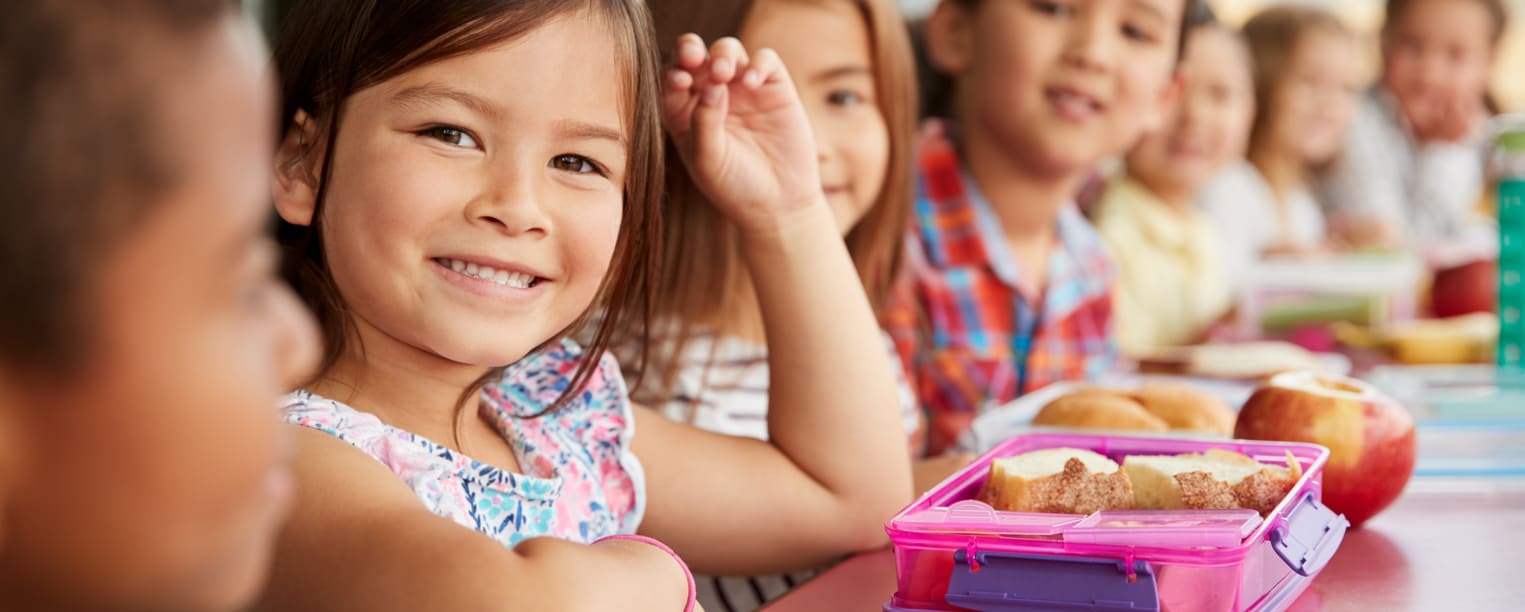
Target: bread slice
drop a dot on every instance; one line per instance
(1057, 480)
(1216, 479)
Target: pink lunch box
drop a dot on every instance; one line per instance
(955, 553)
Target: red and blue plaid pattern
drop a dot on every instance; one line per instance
(969, 338)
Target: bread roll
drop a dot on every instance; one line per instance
(1182, 407)
(1099, 409)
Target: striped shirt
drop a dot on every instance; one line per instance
(1428, 191)
(722, 386)
(969, 338)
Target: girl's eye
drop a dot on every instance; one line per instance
(575, 164)
(452, 136)
(1054, 8)
(844, 98)
(1137, 34)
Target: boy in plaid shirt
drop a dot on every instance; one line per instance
(1007, 288)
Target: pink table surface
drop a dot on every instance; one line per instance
(1444, 545)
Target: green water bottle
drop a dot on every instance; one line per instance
(1507, 166)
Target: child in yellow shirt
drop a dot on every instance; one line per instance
(1170, 285)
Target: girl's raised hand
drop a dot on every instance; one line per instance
(739, 125)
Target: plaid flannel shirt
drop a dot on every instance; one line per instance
(968, 337)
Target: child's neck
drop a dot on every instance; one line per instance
(1177, 199)
(1282, 170)
(404, 386)
(1027, 202)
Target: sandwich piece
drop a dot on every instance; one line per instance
(1216, 479)
(1057, 480)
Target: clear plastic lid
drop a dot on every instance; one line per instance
(1166, 528)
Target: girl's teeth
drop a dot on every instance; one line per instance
(501, 277)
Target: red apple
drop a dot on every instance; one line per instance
(1370, 437)
(1465, 289)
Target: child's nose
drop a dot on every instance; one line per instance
(511, 204)
(1092, 43)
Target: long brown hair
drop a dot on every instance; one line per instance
(1273, 35)
(701, 262)
(334, 48)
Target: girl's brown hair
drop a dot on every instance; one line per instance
(334, 48)
(1273, 35)
(701, 261)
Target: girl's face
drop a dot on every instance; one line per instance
(1437, 52)
(828, 50)
(157, 478)
(474, 203)
(1211, 122)
(1315, 97)
(1062, 83)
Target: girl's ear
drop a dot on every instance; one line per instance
(298, 164)
(1155, 118)
(950, 38)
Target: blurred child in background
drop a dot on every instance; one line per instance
(1171, 287)
(1306, 81)
(710, 365)
(145, 336)
(853, 67)
(1007, 286)
(1412, 170)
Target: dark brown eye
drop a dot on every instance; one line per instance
(575, 164)
(451, 136)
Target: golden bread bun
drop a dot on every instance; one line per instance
(1184, 408)
(1099, 409)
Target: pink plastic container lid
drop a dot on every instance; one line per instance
(947, 516)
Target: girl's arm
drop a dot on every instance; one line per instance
(358, 539)
(836, 467)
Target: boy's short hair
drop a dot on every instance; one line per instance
(1193, 14)
(936, 89)
(79, 88)
(1498, 12)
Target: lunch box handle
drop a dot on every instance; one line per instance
(1308, 536)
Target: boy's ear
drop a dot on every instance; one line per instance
(1155, 118)
(298, 164)
(950, 37)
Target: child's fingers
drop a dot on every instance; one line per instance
(709, 122)
(678, 100)
(765, 67)
(691, 53)
(727, 56)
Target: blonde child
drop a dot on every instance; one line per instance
(1171, 287)
(145, 337)
(1306, 81)
(1411, 172)
(1007, 287)
(464, 185)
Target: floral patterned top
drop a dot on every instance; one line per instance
(580, 480)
